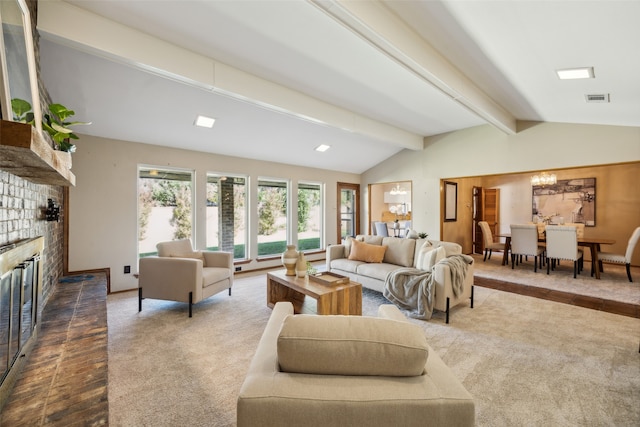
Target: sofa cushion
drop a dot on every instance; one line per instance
(399, 251)
(361, 251)
(189, 254)
(181, 246)
(211, 275)
(346, 265)
(372, 240)
(376, 271)
(351, 345)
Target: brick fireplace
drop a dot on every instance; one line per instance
(20, 306)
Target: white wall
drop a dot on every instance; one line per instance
(103, 204)
(484, 150)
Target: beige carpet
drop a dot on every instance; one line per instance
(613, 283)
(526, 361)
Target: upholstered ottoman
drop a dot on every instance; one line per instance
(377, 375)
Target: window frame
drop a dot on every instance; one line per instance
(288, 214)
(169, 169)
(322, 214)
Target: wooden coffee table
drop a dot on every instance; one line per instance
(330, 299)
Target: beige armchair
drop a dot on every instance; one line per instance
(181, 274)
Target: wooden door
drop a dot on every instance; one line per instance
(476, 216)
(486, 207)
(491, 212)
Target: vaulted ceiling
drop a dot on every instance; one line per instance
(368, 78)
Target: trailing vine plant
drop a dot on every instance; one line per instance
(54, 122)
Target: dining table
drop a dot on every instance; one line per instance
(593, 243)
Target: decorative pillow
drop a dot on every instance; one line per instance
(432, 257)
(351, 345)
(424, 249)
(347, 246)
(361, 251)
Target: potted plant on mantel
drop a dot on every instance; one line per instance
(54, 123)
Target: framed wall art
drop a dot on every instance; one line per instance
(567, 201)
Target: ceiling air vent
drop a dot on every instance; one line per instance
(599, 97)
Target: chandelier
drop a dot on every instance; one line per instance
(544, 179)
(397, 190)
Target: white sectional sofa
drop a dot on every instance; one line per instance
(400, 253)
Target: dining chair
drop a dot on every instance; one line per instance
(524, 241)
(579, 228)
(562, 243)
(381, 229)
(489, 244)
(619, 258)
(407, 228)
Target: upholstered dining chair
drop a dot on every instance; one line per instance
(579, 228)
(524, 241)
(562, 244)
(489, 244)
(381, 229)
(620, 258)
(181, 274)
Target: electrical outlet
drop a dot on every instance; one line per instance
(127, 269)
(238, 268)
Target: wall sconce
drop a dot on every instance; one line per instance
(53, 211)
(544, 179)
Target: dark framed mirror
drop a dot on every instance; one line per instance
(17, 58)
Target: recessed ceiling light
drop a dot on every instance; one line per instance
(576, 73)
(322, 148)
(205, 122)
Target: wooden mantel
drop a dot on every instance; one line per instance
(27, 154)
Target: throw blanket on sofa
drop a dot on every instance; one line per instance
(458, 267)
(412, 289)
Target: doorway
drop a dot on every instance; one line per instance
(348, 210)
(390, 203)
(486, 207)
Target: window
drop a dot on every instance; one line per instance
(310, 218)
(272, 217)
(164, 207)
(348, 214)
(227, 214)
